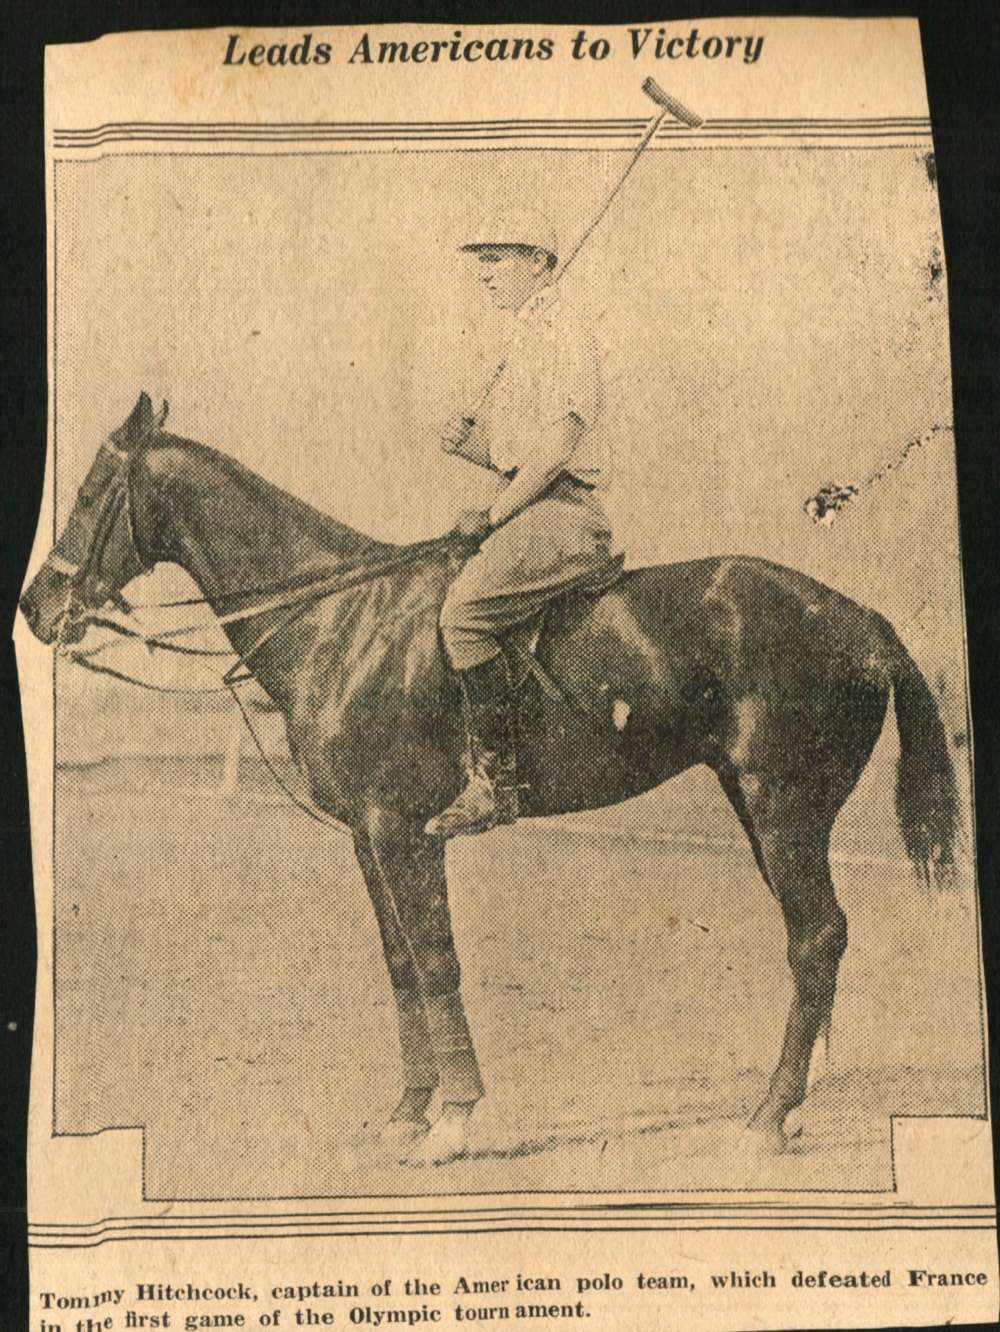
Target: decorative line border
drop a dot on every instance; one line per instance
(580, 1217)
(709, 1210)
(628, 122)
(517, 1228)
(680, 1216)
(863, 145)
(482, 131)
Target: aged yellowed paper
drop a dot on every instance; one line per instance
(494, 679)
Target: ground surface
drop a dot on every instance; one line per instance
(220, 981)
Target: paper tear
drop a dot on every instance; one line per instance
(824, 506)
(828, 501)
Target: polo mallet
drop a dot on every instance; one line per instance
(669, 106)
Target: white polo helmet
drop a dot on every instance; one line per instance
(515, 226)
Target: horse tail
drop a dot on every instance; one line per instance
(926, 793)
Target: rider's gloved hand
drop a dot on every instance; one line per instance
(473, 524)
(455, 433)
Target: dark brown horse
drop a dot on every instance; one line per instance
(777, 683)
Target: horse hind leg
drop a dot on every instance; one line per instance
(792, 849)
(799, 867)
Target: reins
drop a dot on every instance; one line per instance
(296, 598)
(316, 814)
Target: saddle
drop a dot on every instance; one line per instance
(415, 613)
(519, 643)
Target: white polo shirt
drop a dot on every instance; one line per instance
(552, 370)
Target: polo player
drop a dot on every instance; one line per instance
(546, 532)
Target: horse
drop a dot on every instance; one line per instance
(776, 682)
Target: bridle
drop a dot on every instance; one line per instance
(85, 580)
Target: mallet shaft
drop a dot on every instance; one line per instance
(668, 106)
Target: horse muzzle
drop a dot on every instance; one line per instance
(44, 630)
(47, 609)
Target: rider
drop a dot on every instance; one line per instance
(546, 531)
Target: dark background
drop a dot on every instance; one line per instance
(962, 54)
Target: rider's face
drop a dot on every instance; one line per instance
(511, 275)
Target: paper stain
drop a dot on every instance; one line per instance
(675, 922)
(935, 272)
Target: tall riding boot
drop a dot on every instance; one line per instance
(490, 794)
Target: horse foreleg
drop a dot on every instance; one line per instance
(797, 859)
(410, 870)
(420, 1073)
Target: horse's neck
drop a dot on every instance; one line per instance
(232, 531)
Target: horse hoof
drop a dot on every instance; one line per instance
(763, 1140)
(444, 1143)
(399, 1137)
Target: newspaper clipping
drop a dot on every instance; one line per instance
(494, 679)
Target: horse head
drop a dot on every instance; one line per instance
(96, 555)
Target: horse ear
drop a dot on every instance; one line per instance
(142, 414)
(137, 426)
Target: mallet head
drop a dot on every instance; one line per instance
(677, 109)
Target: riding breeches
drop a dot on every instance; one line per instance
(560, 542)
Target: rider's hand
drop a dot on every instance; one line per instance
(455, 433)
(473, 524)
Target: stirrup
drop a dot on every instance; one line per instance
(485, 802)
